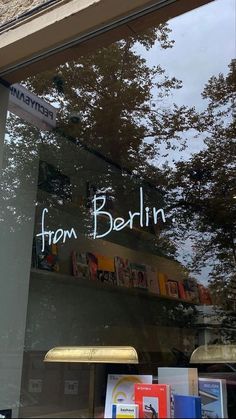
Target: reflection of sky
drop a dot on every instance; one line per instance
(204, 46)
(201, 49)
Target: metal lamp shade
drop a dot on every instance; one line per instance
(93, 354)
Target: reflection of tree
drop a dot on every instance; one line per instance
(203, 189)
(120, 134)
(110, 91)
(17, 179)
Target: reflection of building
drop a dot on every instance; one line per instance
(214, 325)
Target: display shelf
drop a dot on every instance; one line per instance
(41, 274)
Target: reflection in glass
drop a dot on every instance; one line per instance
(145, 135)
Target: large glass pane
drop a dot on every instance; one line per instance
(133, 201)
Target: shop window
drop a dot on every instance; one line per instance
(120, 217)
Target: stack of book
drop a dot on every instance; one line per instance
(179, 394)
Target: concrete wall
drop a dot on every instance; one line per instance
(10, 9)
(68, 20)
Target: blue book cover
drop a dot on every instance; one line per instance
(213, 395)
(187, 407)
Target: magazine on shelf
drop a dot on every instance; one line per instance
(204, 295)
(123, 273)
(162, 279)
(153, 400)
(106, 277)
(79, 265)
(152, 278)
(120, 390)
(182, 294)
(121, 411)
(46, 259)
(105, 263)
(139, 276)
(213, 394)
(106, 270)
(191, 290)
(187, 407)
(172, 288)
(92, 266)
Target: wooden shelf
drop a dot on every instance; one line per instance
(40, 274)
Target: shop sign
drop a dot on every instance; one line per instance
(31, 108)
(142, 217)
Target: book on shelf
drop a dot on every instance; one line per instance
(191, 290)
(182, 294)
(122, 411)
(79, 265)
(213, 395)
(187, 407)
(204, 295)
(120, 390)
(153, 400)
(162, 279)
(47, 258)
(106, 277)
(172, 288)
(92, 262)
(106, 270)
(123, 273)
(152, 278)
(138, 276)
(105, 263)
(182, 381)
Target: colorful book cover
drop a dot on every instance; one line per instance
(153, 400)
(47, 259)
(162, 278)
(105, 263)
(213, 395)
(182, 294)
(152, 278)
(123, 273)
(191, 291)
(120, 390)
(187, 407)
(172, 288)
(122, 411)
(92, 265)
(106, 270)
(139, 276)
(204, 295)
(79, 265)
(106, 277)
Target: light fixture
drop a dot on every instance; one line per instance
(214, 354)
(93, 354)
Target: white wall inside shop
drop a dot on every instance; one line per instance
(17, 203)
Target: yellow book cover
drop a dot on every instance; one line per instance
(105, 263)
(162, 278)
(122, 411)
